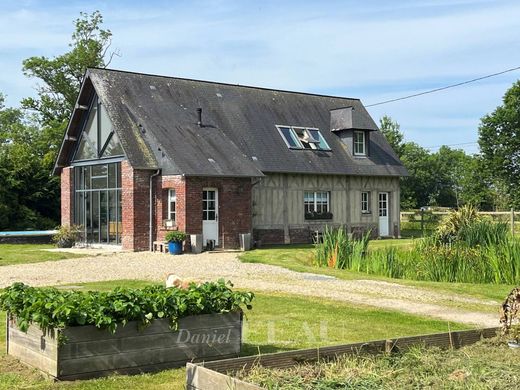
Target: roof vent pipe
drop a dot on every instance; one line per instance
(199, 115)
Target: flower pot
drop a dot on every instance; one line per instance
(65, 243)
(175, 247)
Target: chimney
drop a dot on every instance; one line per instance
(199, 116)
(341, 118)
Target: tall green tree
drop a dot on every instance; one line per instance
(26, 192)
(62, 75)
(392, 132)
(448, 177)
(499, 140)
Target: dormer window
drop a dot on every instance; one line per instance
(303, 138)
(360, 147)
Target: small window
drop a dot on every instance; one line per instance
(303, 138)
(365, 202)
(359, 143)
(317, 205)
(321, 143)
(172, 199)
(289, 137)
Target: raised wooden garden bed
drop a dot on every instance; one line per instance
(85, 351)
(218, 374)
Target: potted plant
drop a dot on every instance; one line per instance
(175, 240)
(66, 236)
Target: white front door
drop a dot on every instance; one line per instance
(209, 215)
(383, 214)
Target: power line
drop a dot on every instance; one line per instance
(443, 88)
(460, 144)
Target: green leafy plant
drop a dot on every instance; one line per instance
(339, 250)
(175, 236)
(51, 308)
(66, 236)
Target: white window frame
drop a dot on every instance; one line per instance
(365, 203)
(172, 198)
(296, 138)
(363, 143)
(315, 200)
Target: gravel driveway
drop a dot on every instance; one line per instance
(257, 277)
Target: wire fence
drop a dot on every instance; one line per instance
(418, 223)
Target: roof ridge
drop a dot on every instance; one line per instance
(221, 83)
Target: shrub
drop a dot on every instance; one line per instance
(51, 308)
(175, 236)
(456, 220)
(66, 236)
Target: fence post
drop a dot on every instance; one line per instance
(512, 221)
(422, 222)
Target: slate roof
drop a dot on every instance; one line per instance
(155, 118)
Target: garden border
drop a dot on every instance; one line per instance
(89, 352)
(213, 375)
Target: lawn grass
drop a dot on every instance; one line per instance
(299, 258)
(30, 253)
(277, 322)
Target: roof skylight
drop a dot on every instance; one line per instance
(303, 138)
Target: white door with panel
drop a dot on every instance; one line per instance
(383, 214)
(209, 215)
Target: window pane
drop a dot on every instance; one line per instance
(106, 125)
(171, 204)
(88, 147)
(114, 147)
(289, 137)
(317, 135)
(112, 176)
(359, 142)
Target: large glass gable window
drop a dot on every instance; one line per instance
(98, 139)
(97, 181)
(97, 202)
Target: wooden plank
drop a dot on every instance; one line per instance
(205, 321)
(227, 335)
(290, 358)
(44, 345)
(33, 358)
(200, 378)
(175, 357)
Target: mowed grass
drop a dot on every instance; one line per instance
(299, 258)
(30, 253)
(276, 323)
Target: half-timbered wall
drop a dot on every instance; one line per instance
(278, 205)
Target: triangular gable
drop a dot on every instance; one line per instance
(98, 138)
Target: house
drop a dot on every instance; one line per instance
(144, 154)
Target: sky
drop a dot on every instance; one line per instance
(373, 50)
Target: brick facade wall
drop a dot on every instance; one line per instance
(234, 206)
(67, 196)
(135, 204)
(162, 185)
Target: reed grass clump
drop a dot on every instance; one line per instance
(465, 248)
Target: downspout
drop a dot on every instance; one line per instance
(151, 209)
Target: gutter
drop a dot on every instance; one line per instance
(150, 227)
